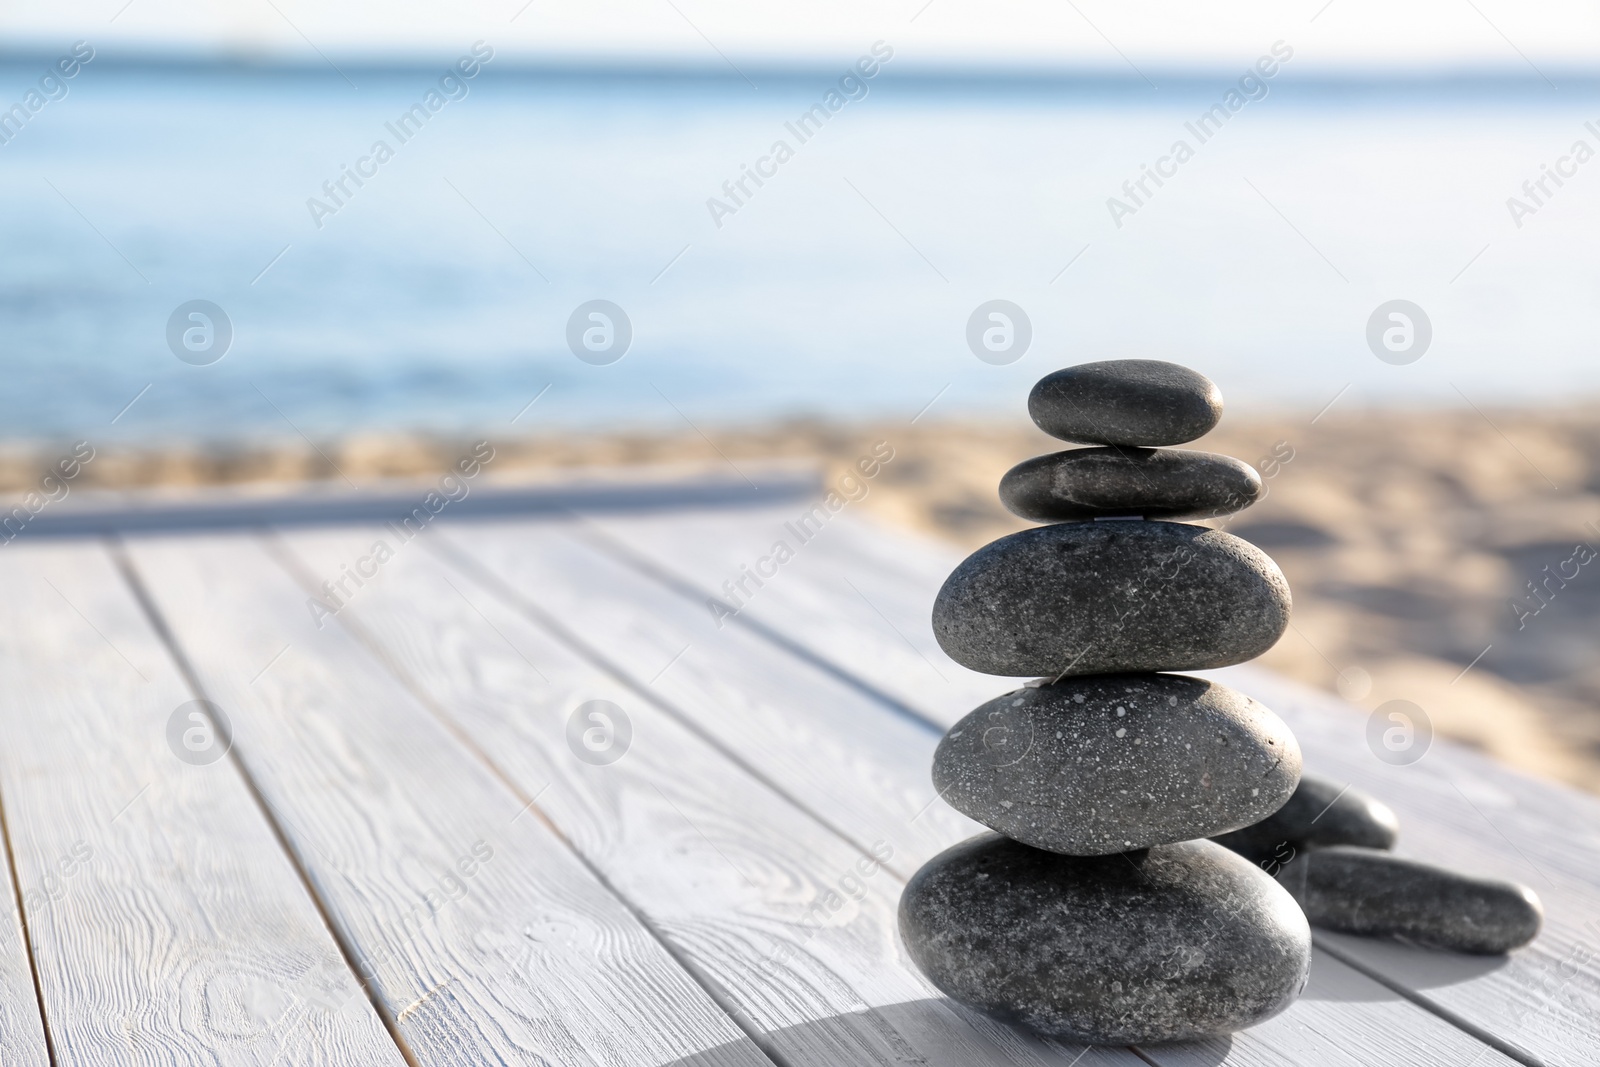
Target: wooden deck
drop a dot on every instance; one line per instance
(413, 853)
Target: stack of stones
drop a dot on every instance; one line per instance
(1099, 911)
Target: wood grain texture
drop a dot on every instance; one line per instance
(613, 610)
(169, 926)
(857, 594)
(792, 921)
(1457, 808)
(1462, 810)
(485, 938)
(22, 1039)
(822, 743)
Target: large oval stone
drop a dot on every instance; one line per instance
(1109, 596)
(1154, 483)
(1321, 812)
(1112, 762)
(1364, 891)
(1175, 943)
(1126, 402)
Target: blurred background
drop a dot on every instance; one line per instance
(275, 241)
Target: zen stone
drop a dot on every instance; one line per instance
(1126, 402)
(1091, 766)
(1175, 943)
(1322, 812)
(1154, 483)
(1377, 894)
(1104, 597)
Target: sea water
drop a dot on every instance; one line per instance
(437, 293)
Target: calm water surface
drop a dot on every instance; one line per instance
(438, 294)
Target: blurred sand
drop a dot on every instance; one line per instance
(1406, 537)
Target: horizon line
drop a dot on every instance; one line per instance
(996, 70)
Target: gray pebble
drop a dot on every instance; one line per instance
(1154, 483)
(1175, 943)
(1322, 812)
(1103, 597)
(1126, 402)
(1112, 762)
(1378, 894)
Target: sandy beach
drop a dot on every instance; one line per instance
(1440, 557)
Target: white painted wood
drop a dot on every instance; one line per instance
(613, 610)
(1457, 808)
(21, 1027)
(856, 593)
(794, 923)
(486, 939)
(815, 739)
(169, 927)
(1462, 810)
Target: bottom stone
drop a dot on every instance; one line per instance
(1170, 943)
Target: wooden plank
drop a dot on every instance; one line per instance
(1457, 808)
(168, 925)
(1460, 809)
(856, 594)
(794, 923)
(22, 1038)
(485, 939)
(813, 738)
(625, 620)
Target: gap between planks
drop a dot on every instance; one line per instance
(27, 936)
(180, 660)
(1426, 1003)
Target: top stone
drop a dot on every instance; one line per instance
(1142, 402)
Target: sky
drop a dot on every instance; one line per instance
(1109, 35)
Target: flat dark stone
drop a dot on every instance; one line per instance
(1108, 597)
(1112, 762)
(1126, 402)
(1322, 812)
(1378, 894)
(1156, 483)
(1174, 943)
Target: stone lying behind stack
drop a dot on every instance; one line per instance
(1327, 846)
(1098, 917)
(1321, 812)
(1375, 894)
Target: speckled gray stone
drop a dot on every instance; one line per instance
(1112, 762)
(1102, 597)
(1322, 812)
(1155, 483)
(1378, 894)
(1125, 402)
(1174, 943)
